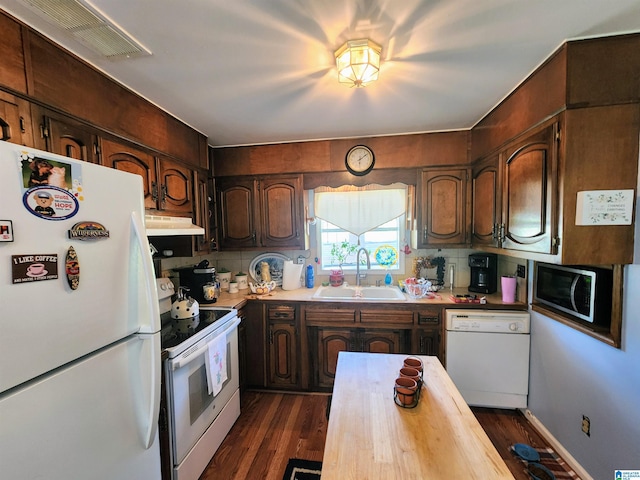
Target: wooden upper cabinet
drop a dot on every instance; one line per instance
(128, 159)
(175, 187)
(529, 213)
(281, 208)
(168, 185)
(237, 212)
(443, 205)
(260, 212)
(486, 206)
(203, 213)
(15, 122)
(599, 151)
(67, 137)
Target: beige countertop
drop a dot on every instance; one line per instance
(370, 437)
(443, 298)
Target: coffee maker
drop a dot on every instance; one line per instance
(200, 282)
(484, 272)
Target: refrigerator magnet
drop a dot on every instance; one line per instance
(6, 231)
(34, 267)
(88, 231)
(72, 269)
(50, 203)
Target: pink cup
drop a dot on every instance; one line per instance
(508, 289)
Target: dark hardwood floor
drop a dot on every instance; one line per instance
(274, 427)
(506, 427)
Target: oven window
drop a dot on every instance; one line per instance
(199, 397)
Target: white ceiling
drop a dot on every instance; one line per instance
(262, 71)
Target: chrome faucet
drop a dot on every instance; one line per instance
(366, 253)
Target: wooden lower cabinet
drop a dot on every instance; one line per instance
(329, 342)
(283, 346)
(427, 338)
(295, 345)
(283, 356)
(254, 348)
(428, 342)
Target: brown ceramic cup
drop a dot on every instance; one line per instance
(410, 372)
(413, 362)
(406, 390)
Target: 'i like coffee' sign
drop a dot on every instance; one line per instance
(33, 268)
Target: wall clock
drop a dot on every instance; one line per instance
(359, 160)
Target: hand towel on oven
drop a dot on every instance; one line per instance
(216, 364)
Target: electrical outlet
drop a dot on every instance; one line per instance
(522, 271)
(586, 425)
(300, 260)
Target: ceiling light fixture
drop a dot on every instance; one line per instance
(358, 62)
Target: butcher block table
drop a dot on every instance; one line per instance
(370, 437)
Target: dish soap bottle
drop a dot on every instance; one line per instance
(309, 276)
(388, 280)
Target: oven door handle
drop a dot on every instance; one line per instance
(181, 361)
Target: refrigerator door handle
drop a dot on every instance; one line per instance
(153, 324)
(152, 411)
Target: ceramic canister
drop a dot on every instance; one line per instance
(224, 278)
(243, 283)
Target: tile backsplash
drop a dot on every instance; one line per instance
(237, 261)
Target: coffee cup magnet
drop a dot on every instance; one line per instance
(34, 267)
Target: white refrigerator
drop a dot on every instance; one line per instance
(79, 322)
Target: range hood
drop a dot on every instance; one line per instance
(163, 226)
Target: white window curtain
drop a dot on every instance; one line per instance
(360, 209)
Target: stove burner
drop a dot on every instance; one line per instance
(175, 332)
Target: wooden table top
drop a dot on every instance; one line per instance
(370, 437)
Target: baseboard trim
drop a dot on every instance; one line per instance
(556, 445)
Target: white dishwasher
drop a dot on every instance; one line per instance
(487, 356)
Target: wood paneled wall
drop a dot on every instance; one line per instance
(583, 73)
(391, 152)
(42, 72)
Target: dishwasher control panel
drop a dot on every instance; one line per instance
(493, 321)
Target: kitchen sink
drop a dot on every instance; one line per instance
(360, 293)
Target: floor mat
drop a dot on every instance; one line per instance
(298, 469)
(553, 462)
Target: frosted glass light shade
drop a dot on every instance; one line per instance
(358, 62)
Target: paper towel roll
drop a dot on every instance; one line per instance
(291, 274)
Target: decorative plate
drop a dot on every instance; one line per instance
(276, 266)
(386, 255)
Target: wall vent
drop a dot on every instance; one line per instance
(89, 26)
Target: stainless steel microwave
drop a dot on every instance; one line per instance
(580, 291)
